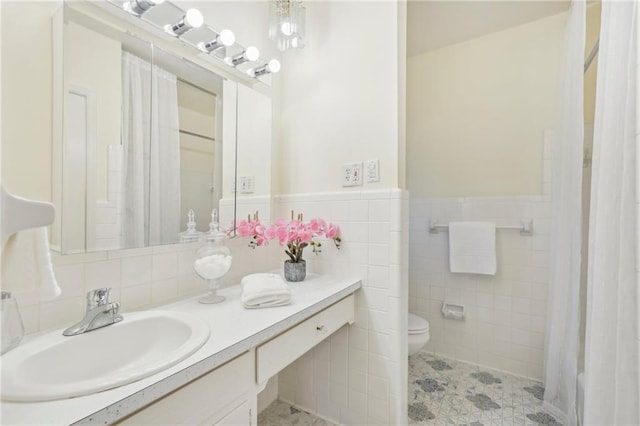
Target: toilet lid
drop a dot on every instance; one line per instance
(417, 325)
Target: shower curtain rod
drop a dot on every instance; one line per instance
(592, 55)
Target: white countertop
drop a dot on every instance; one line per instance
(234, 330)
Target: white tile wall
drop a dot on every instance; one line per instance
(108, 219)
(505, 323)
(246, 205)
(138, 278)
(358, 375)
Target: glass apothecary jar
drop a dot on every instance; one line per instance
(213, 260)
(11, 323)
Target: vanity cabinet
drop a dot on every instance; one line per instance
(219, 384)
(225, 396)
(274, 355)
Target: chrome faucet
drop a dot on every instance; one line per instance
(100, 313)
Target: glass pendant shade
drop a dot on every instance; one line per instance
(286, 23)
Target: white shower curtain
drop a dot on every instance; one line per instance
(563, 301)
(151, 160)
(612, 379)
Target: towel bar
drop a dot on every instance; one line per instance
(525, 227)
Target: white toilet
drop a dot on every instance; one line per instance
(418, 333)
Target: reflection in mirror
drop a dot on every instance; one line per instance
(150, 133)
(199, 165)
(141, 144)
(247, 128)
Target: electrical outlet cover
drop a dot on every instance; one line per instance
(372, 169)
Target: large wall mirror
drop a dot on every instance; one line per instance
(147, 136)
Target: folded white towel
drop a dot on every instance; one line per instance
(264, 290)
(26, 264)
(472, 247)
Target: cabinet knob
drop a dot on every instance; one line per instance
(321, 328)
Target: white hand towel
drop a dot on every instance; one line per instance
(472, 247)
(26, 264)
(264, 290)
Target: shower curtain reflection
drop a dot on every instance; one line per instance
(151, 154)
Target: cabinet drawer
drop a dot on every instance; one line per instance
(205, 400)
(239, 416)
(282, 350)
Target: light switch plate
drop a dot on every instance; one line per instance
(352, 174)
(372, 170)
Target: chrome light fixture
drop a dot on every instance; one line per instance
(287, 23)
(226, 38)
(272, 67)
(191, 19)
(139, 7)
(211, 41)
(250, 54)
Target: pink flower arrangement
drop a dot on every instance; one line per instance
(294, 234)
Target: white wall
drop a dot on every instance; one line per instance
(26, 100)
(339, 97)
(337, 101)
(477, 111)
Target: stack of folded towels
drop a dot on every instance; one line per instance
(264, 290)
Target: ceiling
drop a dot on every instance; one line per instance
(434, 24)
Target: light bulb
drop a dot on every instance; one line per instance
(250, 54)
(286, 28)
(138, 7)
(191, 19)
(225, 38)
(272, 67)
(194, 18)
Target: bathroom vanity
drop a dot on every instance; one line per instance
(219, 383)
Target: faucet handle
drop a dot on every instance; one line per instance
(97, 297)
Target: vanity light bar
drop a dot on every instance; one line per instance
(191, 19)
(272, 67)
(249, 55)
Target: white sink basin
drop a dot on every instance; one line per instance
(54, 367)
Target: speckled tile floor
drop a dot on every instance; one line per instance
(448, 392)
(282, 414)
